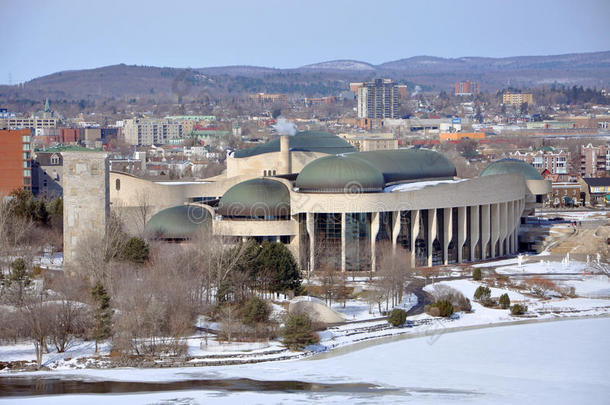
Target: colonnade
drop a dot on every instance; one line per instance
(486, 230)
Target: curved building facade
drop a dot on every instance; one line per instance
(341, 209)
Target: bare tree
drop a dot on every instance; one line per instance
(37, 317)
(394, 271)
(143, 210)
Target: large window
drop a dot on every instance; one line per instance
(357, 241)
(328, 241)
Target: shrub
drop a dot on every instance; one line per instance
(482, 293)
(298, 332)
(476, 274)
(135, 250)
(255, 311)
(518, 309)
(442, 308)
(504, 301)
(457, 299)
(397, 317)
(540, 286)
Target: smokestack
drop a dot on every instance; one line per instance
(285, 162)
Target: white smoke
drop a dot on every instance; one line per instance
(417, 90)
(285, 127)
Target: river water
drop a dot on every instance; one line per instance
(552, 362)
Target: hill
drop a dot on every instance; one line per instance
(331, 77)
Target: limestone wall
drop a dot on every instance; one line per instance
(86, 198)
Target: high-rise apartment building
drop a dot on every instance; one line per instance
(151, 131)
(467, 88)
(595, 161)
(378, 99)
(15, 160)
(517, 98)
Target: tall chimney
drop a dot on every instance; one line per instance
(284, 163)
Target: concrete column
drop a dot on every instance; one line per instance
(395, 228)
(310, 225)
(517, 224)
(511, 227)
(485, 229)
(374, 232)
(503, 226)
(431, 233)
(461, 236)
(495, 224)
(474, 231)
(414, 233)
(447, 233)
(343, 239)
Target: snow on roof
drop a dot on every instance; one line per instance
(418, 185)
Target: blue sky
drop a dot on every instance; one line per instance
(45, 36)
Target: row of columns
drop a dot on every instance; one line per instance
(499, 225)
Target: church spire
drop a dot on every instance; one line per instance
(47, 106)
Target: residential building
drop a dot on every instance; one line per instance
(15, 160)
(151, 131)
(366, 142)
(32, 122)
(378, 99)
(555, 161)
(564, 194)
(467, 88)
(595, 161)
(517, 98)
(47, 173)
(596, 190)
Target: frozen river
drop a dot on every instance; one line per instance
(550, 362)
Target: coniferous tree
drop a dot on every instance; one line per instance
(504, 301)
(103, 314)
(18, 279)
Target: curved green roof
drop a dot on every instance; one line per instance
(259, 197)
(408, 164)
(180, 222)
(338, 174)
(504, 166)
(309, 141)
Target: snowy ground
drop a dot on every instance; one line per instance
(554, 362)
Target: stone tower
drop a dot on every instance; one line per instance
(86, 196)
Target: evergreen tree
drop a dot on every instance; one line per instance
(504, 301)
(298, 332)
(103, 314)
(255, 311)
(397, 317)
(19, 278)
(476, 274)
(135, 250)
(276, 259)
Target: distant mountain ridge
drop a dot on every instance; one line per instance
(329, 77)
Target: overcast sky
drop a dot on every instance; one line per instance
(39, 37)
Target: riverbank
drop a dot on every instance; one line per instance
(531, 362)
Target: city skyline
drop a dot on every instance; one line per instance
(272, 34)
